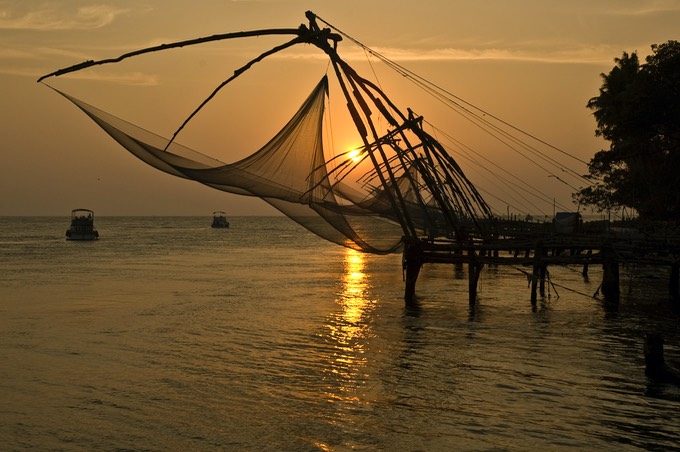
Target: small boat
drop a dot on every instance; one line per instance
(219, 220)
(82, 225)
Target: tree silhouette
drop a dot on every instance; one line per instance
(638, 112)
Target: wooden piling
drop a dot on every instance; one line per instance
(541, 279)
(412, 262)
(610, 275)
(538, 257)
(585, 266)
(534, 279)
(474, 270)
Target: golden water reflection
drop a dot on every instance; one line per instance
(354, 287)
(349, 332)
(350, 324)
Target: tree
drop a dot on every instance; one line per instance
(638, 112)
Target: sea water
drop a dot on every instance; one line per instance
(166, 334)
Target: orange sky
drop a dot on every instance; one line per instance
(535, 64)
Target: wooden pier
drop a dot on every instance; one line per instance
(536, 250)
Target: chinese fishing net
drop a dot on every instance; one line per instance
(289, 172)
(399, 188)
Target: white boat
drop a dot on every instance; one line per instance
(219, 220)
(82, 225)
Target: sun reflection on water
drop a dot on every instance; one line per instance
(354, 288)
(350, 326)
(349, 332)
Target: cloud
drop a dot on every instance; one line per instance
(583, 55)
(596, 55)
(129, 78)
(48, 18)
(13, 53)
(19, 71)
(647, 8)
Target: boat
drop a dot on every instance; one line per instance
(219, 220)
(82, 225)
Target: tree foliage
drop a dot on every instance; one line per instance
(638, 112)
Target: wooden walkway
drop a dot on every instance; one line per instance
(534, 247)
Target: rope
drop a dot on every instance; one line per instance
(408, 73)
(555, 285)
(574, 290)
(453, 100)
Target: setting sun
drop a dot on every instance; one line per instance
(355, 155)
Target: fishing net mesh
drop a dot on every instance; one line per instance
(290, 172)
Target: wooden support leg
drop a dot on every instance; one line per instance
(585, 266)
(474, 270)
(412, 271)
(542, 273)
(534, 284)
(610, 276)
(412, 264)
(538, 273)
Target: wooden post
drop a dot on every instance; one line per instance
(474, 269)
(412, 262)
(534, 279)
(458, 267)
(585, 266)
(542, 273)
(610, 275)
(538, 257)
